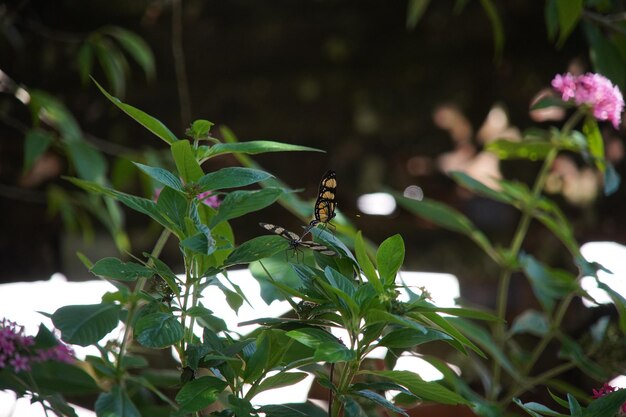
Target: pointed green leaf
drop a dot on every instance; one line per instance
(198, 394)
(252, 148)
(283, 379)
(85, 325)
(365, 263)
(607, 405)
(380, 400)
(136, 47)
(548, 284)
(531, 322)
(409, 337)
(429, 391)
(158, 330)
(232, 177)
(89, 163)
(144, 119)
(611, 179)
(389, 258)
(333, 352)
(162, 176)
(568, 12)
(122, 271)
(240, 202)
(257, 248)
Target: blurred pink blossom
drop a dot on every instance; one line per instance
(17, 351)
(605, 390)
(594, 90)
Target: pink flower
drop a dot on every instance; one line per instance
(208, 199)
(593, 90)
(17, 350)
(604, 390)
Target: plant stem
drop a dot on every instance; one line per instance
(505, 277)
(524, 385)
(132, 310)
(547, 338)
(516, 245)
(349, 371)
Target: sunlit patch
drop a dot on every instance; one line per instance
(377, 204)
(609, 255)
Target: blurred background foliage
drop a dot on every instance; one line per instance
(397, 93)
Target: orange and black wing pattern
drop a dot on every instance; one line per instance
(325, 205)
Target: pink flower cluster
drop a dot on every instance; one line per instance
(604, 390)
(593, 90)
(17, 350)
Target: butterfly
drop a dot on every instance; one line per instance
(296, 241)
(325, 205)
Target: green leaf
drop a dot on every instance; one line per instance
(257, 248)
(333, 352)
(548, 101)
(415, 11)
(409, 337)
(144, 119)
(389, 258)
(594, 139)
(574, 406)
(572, 350)
(113, 64)
(231, 177)
(282, 379)
(618, 301)
(36, 143)
(158, 330)
(532, 150)
(116, 403)
(60, 377)
(84, 60)
(607, 405)
(188, 167)
(548, 284)
(534, 409)
(446, 217)
(605, 55)
(478, 187)
(199, 243)
(136, 47)
(241, 202)
(200, 129)
(568, 12)
(252, 148)
(531, 322)
(497, 28)
(429, 391)
(122, 271)
(307, 409)
(312, 337)
(43, 105)
(198, 394)
(142, 205)
(366, 264)
(85, 325)
(380, 400)
(552, 19)
(89, 163)
(162, 176)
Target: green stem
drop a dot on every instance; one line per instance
(505, 277)
(516, 245)
(522, 386)
(349, 371)
(132, 310)
(547, 338)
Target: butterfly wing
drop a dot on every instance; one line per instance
(325, 205)
(317, 247)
